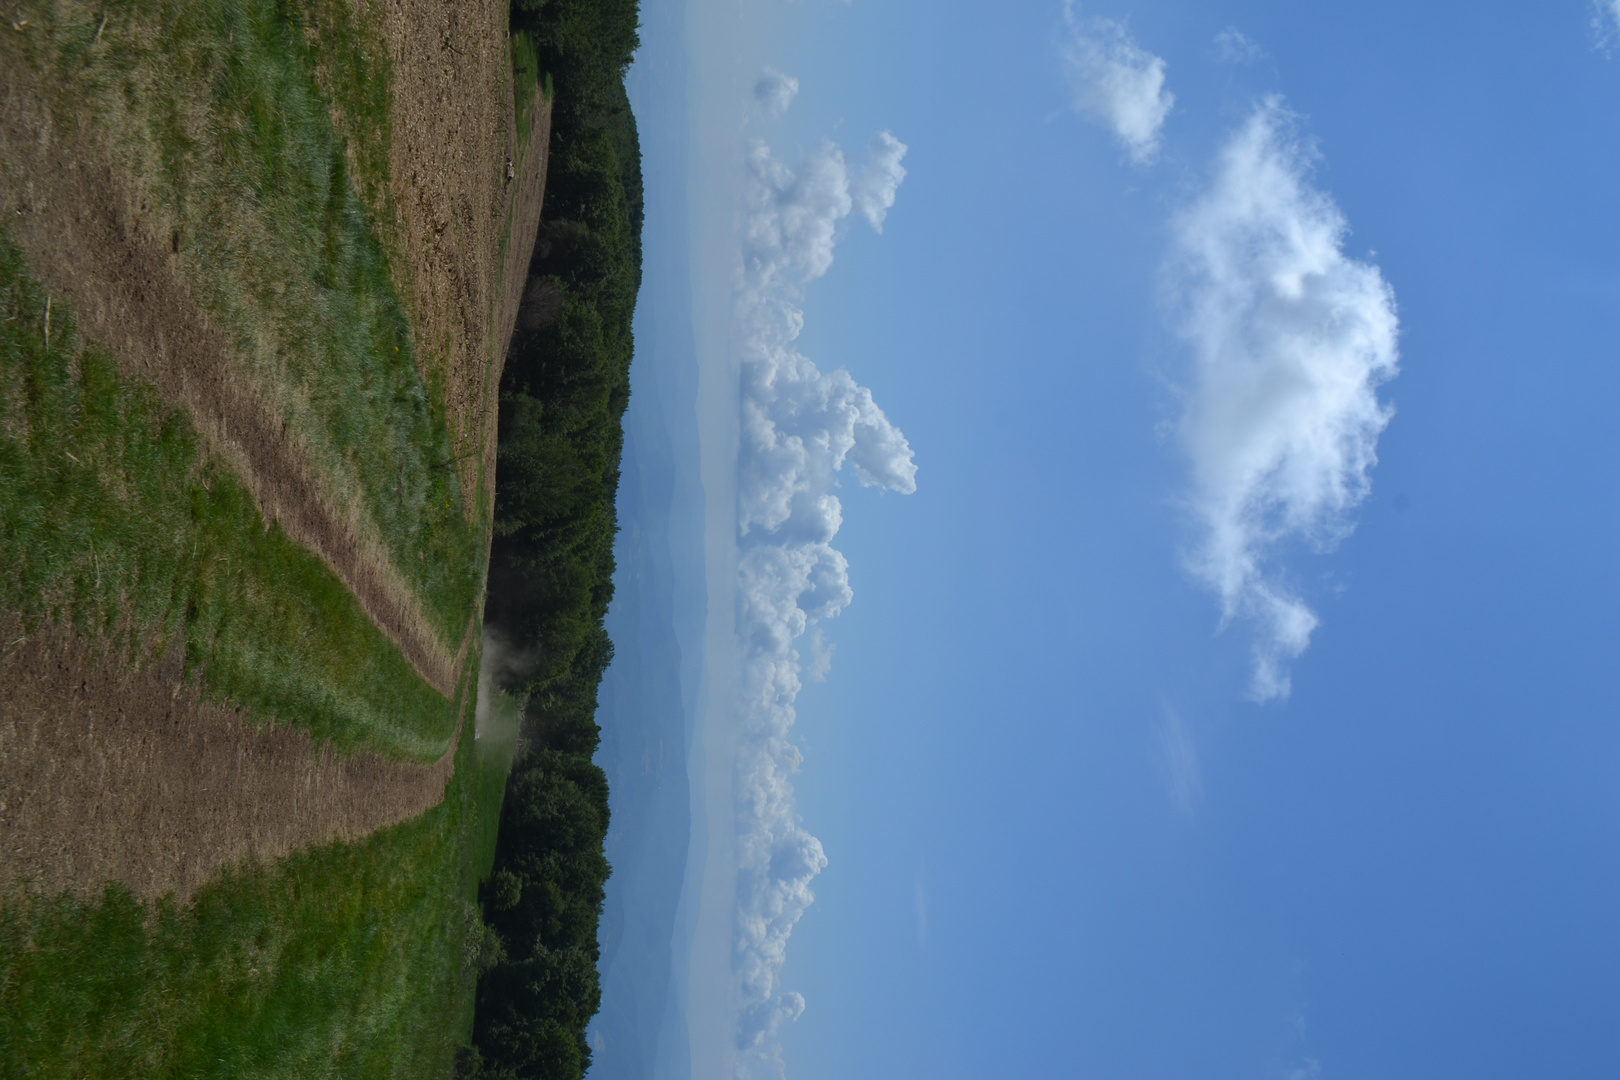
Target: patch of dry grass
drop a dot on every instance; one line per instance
(220, 118)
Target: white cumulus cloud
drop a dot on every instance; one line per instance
(1116, 82)
(800, 428)
(874, 188)
(774, 91)
(1291, 339)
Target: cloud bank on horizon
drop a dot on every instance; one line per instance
(800, 427)
(1291, 339)
(1116, 82)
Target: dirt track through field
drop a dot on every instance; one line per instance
(468, 229)
(108, 775)
(95, 245)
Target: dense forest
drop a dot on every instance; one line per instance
(562, 398)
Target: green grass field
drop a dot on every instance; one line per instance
(527, 85)
(349, 960)
(113, 520)
(260, 130)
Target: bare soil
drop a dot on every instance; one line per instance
(108, 774)
(467, 228)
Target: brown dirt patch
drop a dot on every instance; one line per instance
(467, 228)
(107, 774)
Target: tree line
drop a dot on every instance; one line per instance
(562, 399)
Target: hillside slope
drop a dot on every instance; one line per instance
(259, 263)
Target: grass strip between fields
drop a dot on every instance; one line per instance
(258, 132)
(345, 960)
(113, 521)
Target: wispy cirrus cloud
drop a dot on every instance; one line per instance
(1606, 23)
(1116, 82)
(1290, 339)
(1233, 46)
(800, 428)
(1178, 755)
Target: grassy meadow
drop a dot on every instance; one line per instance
(347, 960)
(113, 520)
(258, 130)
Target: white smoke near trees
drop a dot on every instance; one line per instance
(501, 664)
(800, 428)
(1291, 339)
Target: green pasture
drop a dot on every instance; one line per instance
(347, 960)
(259, 130)
(113, 521)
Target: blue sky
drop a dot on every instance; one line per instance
(1075, 820)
